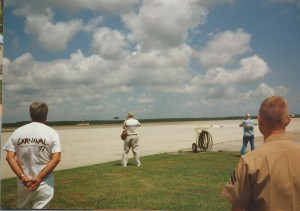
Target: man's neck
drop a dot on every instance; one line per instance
(274, 132)
(42, 122)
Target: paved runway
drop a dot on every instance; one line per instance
(88, 145)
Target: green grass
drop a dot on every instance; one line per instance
(184, 181)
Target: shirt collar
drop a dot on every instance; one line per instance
(281, 136)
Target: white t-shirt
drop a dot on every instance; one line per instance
(33, 144)
(131, 125)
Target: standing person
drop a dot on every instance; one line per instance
(33, 151)
(130, 125)
(248, 135)
(268, 177)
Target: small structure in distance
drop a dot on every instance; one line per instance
(84, 122)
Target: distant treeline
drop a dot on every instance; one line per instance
(119, 121)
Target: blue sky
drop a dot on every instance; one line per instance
(97, 59)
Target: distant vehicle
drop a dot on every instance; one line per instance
(84, 122)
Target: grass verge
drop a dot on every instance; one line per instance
(183, 181)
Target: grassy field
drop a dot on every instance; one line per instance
(182, 181)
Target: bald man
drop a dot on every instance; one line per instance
(132, 140)
(248, 135)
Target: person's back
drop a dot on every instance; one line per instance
(272, 179)
(248, 126)
(34, 143)
(131, 126)
(248, 133)
(33, 151)
(131, 142)
(268, 178)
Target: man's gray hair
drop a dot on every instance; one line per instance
(130, 115)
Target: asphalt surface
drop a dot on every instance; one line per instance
(88, 145)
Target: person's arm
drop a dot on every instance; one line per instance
(14, 165)
(242, 124)
(124, 125)
(237, 189)
(55, 159)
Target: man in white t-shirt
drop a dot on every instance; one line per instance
(33, 151)
(131, 141)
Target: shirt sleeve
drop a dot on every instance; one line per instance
(238, 187)
(9, 145)
(56, 147)
(242, 124)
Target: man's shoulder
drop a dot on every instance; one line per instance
(273, 147)
(50, 129)
(23, 127)
(132, 121)
(35, 126)
(249, 121)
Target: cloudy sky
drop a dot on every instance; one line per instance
(97, 59)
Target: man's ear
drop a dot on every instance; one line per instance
(287, 121)
(259, 120)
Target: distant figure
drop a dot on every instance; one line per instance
(268, 178)
(248, 135)
(33, 151)
(131, 141)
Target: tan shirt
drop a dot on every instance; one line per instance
(267, 178)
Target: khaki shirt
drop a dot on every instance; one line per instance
(267, 178)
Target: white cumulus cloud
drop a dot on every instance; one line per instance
(224, 48)
(49, 35)
(251, 69)
(155, 25)
(109, 44)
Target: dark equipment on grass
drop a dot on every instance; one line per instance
(204, 141)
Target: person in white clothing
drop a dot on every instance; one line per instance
(33, 151)
(131, 141)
